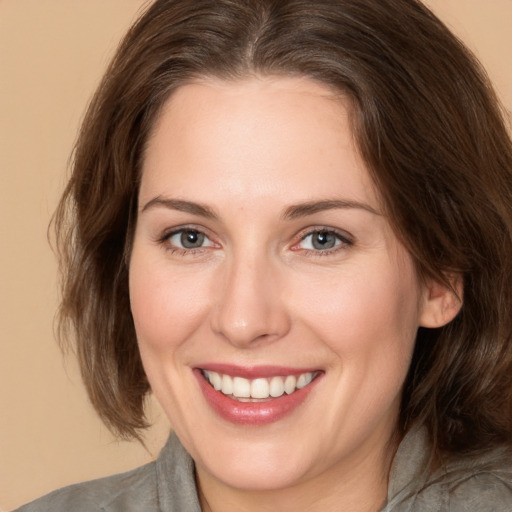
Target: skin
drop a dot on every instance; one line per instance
(257, 292)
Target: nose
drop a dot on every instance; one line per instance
(250, 307)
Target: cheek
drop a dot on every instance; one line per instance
(368, 320)
(166, 306)
(367, 314)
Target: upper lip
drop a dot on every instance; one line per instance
(253, 372)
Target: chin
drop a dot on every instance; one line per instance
(259, 461)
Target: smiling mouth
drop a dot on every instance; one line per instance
(259, 389)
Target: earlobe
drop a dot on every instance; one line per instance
(441, 302)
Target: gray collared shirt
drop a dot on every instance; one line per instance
(473, 484)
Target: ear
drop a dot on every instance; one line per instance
(440, 302)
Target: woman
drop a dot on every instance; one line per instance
(292, 221)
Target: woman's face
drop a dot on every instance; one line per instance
(262, 261)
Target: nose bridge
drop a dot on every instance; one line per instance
(249, 308)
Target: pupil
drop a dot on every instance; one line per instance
(192, 239)
(324, 240)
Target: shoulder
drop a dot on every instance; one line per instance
(133, 490)
(168, 483)
(486, 490)
(477, 483)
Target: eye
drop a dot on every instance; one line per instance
(322, 240)
(188, 239)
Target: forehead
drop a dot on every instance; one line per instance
(254, 135)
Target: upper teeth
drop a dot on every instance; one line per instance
(257, 388)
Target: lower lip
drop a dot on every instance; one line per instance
(253, 413)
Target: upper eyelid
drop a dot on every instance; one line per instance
(338, 232)
(346, 237)
(164, 241)
(163, 237)
(166, 233)
(346, 241)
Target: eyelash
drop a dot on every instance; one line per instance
(343, 241)
(164, 240)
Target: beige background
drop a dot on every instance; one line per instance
(52, 53)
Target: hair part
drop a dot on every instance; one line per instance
(429, 127)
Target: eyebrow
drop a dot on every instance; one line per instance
(290, 213)
(180, 205)
(310, 208)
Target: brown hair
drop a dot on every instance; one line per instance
(429, 127)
